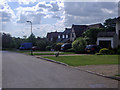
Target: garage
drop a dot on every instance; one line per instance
(105, 44)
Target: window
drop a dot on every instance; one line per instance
(59, 36)
(72, 35)
(66, 36)
(63, 36)
(51, 39)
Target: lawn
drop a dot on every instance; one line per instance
(86, 59)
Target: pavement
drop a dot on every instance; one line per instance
(22, 71)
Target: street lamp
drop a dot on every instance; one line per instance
(31, 34)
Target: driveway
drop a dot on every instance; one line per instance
(22, 71)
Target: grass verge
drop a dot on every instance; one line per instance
(52, 53)
(86, 59)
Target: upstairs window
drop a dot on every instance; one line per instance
(63, 36)
(59, 36)
(66, 36)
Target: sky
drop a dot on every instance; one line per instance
(52, 15)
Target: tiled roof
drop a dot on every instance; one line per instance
(53, 34)
(79, 29)
(67, 31)
(65, 40)
(99, 25)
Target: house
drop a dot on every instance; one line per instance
(64, 37)
(77, 30)
(98, 25)
(107, 39)
(110, 39)
(70, 34)
(53, 36)
(118, 30)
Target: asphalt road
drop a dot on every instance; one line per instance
(21, 71)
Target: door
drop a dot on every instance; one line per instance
(105, 44)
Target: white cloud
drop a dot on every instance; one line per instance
(7, 13)
(88, 12)
(104, 10)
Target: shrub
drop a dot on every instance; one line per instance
(106, 51)
(79, 45)
(118, 51)
(70, 50)
(58, 46)
(48, 48)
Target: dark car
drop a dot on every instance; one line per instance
(92, 48)
(34, 48)
(66, 46)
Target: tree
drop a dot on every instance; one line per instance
(91, 35)
(110, 24)
(79, 45)
(7, 41)
(43, 43)
(32, 39)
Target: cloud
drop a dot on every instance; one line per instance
(55, 6)
(22, 19)
(34, 17)
(6, 17)
(88, 12)
(44, 5)
(56, 16)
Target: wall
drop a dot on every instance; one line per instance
(117, 31)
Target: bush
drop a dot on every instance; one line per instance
(58, 46)
(118, 51)
(48, 48)
(79, 45)
(106, 51)
(70, 50)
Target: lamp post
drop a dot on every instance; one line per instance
(31, 34)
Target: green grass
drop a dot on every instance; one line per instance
(86, 59)
(118, 75)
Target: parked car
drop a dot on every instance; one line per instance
(66, 46)
(92, 48)
(25, 46)
(35, 48)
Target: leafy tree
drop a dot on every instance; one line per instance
(79, 45)
(58, 46)
(43, 43)
(6, 41)
(32, 39)
(91, 35)
(110, 24)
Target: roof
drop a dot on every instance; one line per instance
(65, 40)
(79, 29)
(53, 34)
(59, 39)
(118, 19)
(98, 25)
(106, 34)
(67, 31)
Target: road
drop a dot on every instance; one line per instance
(22, 71)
